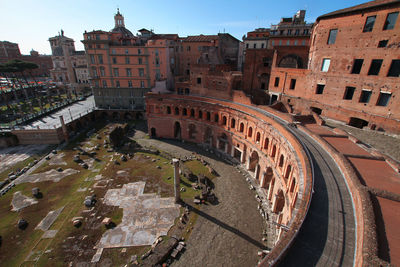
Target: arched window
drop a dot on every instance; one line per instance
(168, 110)
(208, 116)
(200, 114)
(184, 112)
(216, 117)
(266, 143)
(192, 113)
(176, 111)
(258, 137)
(233, 123)
(241, 127)
(281, 160)
(293, 185)
(250, 132)
(273, 152)
(288, 170)
(224, 120)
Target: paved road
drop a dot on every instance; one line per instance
(75, 110)
(328, 234)
(327, 237)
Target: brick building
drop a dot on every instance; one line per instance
(207, 49)
(211, 80)
(291, 31)
(8, 51)
(353, 68)
(44, 63)
(287, 41)
(124, 66)
(257, 39)
(69, 66)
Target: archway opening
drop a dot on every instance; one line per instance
(177, 130)
(233, 123)
(216, 117)
(288, 171)
(253, 161)
(115, 116)
(223, 142)
(293, 185)
(208, 136)
(250, 132)
(273, 152)
(192, 131)
(279, 202)
(153, 132)
(281, 161)
(266, 143)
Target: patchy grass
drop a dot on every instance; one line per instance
(116, 216)
(73, 244)
(118, 258)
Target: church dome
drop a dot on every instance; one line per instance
(120, 25)
(123, 30)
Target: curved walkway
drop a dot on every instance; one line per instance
(327, 236)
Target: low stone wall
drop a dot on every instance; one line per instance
(7, 140)
(39, 136)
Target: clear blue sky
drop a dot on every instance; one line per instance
(30, 23)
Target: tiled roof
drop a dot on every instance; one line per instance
(164, 36)
(360, 7)
(201, 38)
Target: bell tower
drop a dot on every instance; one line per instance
(119, 20)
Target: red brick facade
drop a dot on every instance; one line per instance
(354, 68)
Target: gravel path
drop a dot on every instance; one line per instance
(226, 234)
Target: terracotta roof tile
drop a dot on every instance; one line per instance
(367, 5)
(201, 38)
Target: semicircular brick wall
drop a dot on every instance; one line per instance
(269, 152)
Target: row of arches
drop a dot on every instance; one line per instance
(214, 117)
(269, 155)
(270, 150)
(234, 123)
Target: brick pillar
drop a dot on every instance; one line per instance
(177, 182)
(64, 128)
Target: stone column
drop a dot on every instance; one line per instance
(177, 181)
